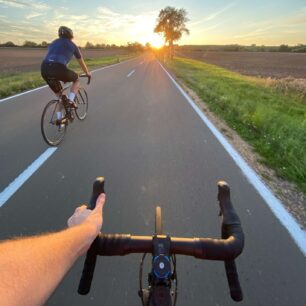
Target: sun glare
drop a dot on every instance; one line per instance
(156, 41)
(142, 30)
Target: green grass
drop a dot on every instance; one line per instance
(272, 121)
(11, 84)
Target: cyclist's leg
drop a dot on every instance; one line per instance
(71, 76)
(49, 73)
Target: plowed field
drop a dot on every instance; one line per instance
(22, 59)
(262, 64)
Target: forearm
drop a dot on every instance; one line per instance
(31, 268)
(83, 65)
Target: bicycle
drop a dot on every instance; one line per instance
(163, 249)
(54, 126)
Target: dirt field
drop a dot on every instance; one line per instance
(20, 60)
(263, 64)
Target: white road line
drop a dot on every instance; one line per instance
(24, 176)
(38, 88)
(141, 63)
(130, 73)
(276, 206)
(23, 93)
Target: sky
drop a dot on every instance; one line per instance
(220, 22)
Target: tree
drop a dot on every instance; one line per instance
(284, 48)
(89, 45)
(171, 23)
(8, 44)
(44, 44)
(29, 44)
(135, 47)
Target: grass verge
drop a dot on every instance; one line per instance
(272, 121)
(11, 84)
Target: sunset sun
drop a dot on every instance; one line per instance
(156, 41)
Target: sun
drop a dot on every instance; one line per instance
(156, 41)
(142, 31)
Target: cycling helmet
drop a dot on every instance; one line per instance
(65, 32)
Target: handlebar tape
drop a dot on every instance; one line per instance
(91, 256)
(230, 224)
(97, 189)
(88, 270)
(233, 281)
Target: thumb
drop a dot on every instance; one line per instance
(100, 201)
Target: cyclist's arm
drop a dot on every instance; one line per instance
(83, 66)
(31, 268)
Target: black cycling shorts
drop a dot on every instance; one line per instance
(52, 73)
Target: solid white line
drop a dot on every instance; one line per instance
(23, 93)
(130, 73)
(38, 88)
(24, 176)
(276, 206)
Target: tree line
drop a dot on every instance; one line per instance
(131, 46)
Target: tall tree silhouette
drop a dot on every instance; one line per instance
(171, 23)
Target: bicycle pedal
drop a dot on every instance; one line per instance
(60, 122)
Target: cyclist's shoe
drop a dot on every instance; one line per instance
(72, 104)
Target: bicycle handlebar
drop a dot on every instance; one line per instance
(86, 76)
(225, 249)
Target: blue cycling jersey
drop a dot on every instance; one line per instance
(61, 51)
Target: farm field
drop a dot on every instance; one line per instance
(14, 60)
(260, 64)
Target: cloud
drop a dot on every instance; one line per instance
(15, 4)
(37, 5)
(34, 15)
(107, 12)
(213, 15)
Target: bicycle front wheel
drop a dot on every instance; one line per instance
(81, 100)
(158, 221)
(53, 132)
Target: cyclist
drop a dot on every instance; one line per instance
(32, 267)
(54, 65)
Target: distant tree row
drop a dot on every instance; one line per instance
(134, 47)
(301, 48)
(26, 44)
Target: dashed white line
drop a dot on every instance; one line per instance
(286, 219)
(130, 73)
(24, 176)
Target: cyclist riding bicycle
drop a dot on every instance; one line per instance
(54, 66)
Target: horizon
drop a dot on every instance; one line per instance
(237, 22)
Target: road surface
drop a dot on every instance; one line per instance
(152, 148)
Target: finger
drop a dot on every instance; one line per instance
(100, 201)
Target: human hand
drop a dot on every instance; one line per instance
(83, 215)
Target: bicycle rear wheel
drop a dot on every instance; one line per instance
(81, 100)
(53, 132)
(158, 221)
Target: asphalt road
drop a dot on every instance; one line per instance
(152, 147)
